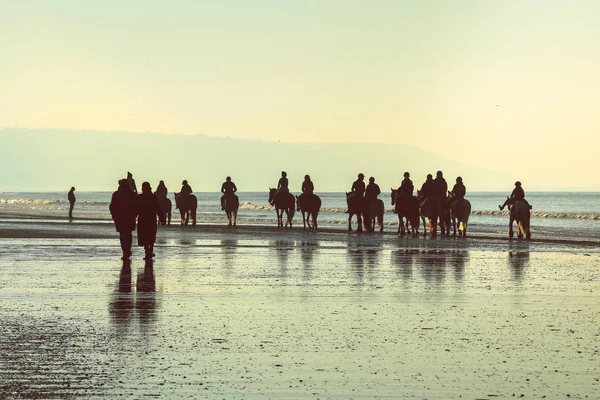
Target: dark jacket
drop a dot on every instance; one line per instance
(71, 196)
(282, 185)
(148, 208)
(358, 187)
(406, 187)
(308, 187)
(228, 187)
(440, 187)
(186, 190)
(123, 209)
(427, 190)
(459, 190)
(518, 194)
(372, 191)
(161, 191)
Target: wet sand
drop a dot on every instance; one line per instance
(255, 312)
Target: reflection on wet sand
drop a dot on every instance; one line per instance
(363, 260)
(145, 302)
(122, 303)
(229, 250)
(403, 260)
(518, 261)
(307, 252)
(433, 265)
(282, 249)
(457, 260)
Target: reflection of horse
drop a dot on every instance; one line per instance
(309, 205)
(231, 203)
(406, 207)
(357, 206)
(460, 210)
(283, 202)
(376, 211)
(520, 213)
(166, 206)
(430, 209)
(187, 208)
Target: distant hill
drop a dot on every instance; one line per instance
(92, 160)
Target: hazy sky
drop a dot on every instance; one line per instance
(501, 84)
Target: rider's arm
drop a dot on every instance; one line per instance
(223, 188)
(234, 187)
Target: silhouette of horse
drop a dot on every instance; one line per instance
(520, 213)
(283, 202)
(459, 210)
(430, 209)
(357, 205)
(166, 206)
(444, 216)
(376, 211)
(309, 205)
(407, 207)
(231, 204)
(187, 209)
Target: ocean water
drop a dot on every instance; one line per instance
(575, 213)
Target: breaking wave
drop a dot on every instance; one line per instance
(545, 214)
(43, 202)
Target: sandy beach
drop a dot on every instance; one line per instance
(257, 312)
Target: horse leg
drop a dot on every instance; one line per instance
(381, 223)
(360, 222)
(424, 226)
(510, 228)
(234, 217)
(349, 222)
(315, 215)
(304, 219)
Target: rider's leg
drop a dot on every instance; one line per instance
(504, 205)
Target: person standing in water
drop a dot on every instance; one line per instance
(71, 197)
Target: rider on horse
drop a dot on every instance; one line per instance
(185, 192)
(427, 189)
(228, 189)
(372, 191)
(161, 190)
(308, 188)
(440, 186)
(406, 187)
(459, 190)
(518, 194)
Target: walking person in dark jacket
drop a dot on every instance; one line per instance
(123, 209)
(71, 197)
(148, 209)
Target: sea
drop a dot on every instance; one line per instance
(570, 214)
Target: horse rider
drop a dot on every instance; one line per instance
(228, 189)
(458, 190)
(406, 187)
(131, 182)
(358, 187)
(308, 188)
(518, 194)
(185, 192)
(427, 189)
(161, 191)
(372, 191)
(440, 186)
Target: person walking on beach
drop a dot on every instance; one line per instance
(406, 188)
(71, 197)
(372, 191)
(123, 210)
(228, 188)
(517, 194)
(148, 208)
(131, 183)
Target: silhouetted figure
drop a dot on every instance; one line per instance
(123, 209)
(307, 186)
(283, 184)
(148, 209)
(308, 189)
(427, 189)
(406, 187)
(440, 186)
(185, 192)
(372, 191)
(71, 197)
(459, 190)
(161, 191)
(131, 183)
(517, 194)
(358, 187)
(228, 188)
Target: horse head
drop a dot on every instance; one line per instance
(394, 195)
(272, 192)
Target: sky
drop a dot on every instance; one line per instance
(504, 85)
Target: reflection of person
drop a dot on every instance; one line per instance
(131, 183)
(228, 188)
(123, 211)
(71, 197)
(148, 210)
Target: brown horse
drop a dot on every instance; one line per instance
(357, 205)
(520, 212)
(460, 210)
(309, 205)
(430, 209)
(376, 211)
(407, 207)
(187, 208)
(283, 202)
(231, 204)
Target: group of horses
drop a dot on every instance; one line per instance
(432, 212)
